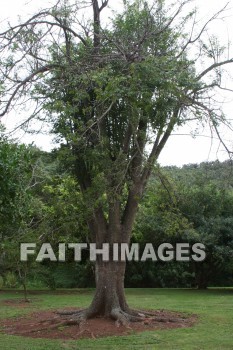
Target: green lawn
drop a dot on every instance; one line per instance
(214, 329)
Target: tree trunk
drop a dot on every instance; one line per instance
(25, 292)
(201, 276)
(109, 298)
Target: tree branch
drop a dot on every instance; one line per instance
(157, 148)
(23, 82)
(33, 23)
(212, 67)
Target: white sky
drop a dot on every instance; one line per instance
(180, 149)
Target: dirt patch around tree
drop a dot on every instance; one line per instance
(48, 324)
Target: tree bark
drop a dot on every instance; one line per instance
(109, 299)
(109, 295)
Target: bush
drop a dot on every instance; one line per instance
(10, 280)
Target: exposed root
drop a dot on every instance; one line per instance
(149, 316)
(124, 318)
(79, 319)
(141, 313)
(48, 327)
(121, 317)
(52, 325)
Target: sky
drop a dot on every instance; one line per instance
(181, 148)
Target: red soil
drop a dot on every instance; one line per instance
(47, 324)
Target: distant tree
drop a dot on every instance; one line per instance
(17, 165)
(209, 207)
(192, 204)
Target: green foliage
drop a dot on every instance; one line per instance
(139, 79)
(192, 204)
(15, 172)
(10, 280)
(63, 209)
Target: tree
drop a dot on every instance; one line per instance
(113, 95)
(16, 173)
(17, 178)
(209, 206)
(192, 204)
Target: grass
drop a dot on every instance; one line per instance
(214, 329)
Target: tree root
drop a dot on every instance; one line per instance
(125, 318)
(121, 317)
(141, 313)
(69, 312)
(78, 320)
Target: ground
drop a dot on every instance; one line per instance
(50, 325)
(212, 329)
